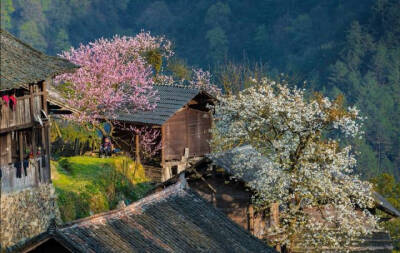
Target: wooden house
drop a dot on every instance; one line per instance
(184, 120)
(175, 219)
(24, 114)
(212, 179)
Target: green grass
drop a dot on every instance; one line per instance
(88, 185)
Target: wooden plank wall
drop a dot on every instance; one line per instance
(21, 114)
(198, 127)
(12, 120)
(37, 100)
(187, 128)
(175, 137)
(35, 175)
(5, 148)
(233, 199)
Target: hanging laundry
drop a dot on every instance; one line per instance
(13, 102)
(6, 99)
(26, 165)
(17, 165)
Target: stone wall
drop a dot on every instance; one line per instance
(27, 213)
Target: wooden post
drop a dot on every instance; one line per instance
(46, 132)
(44, 90)
(162, 145)
(8, 145)
(213, 198)
(43, 130)
(21, 146)
(31, 105)
(187, 135)
(274, 220)
(250, 219)
(34, 148)
(137, 148)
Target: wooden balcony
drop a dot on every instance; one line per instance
(20, 116)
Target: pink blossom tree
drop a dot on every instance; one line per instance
(115, 76)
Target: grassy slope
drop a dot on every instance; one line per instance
(88, 185)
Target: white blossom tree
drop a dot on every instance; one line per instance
(322, 203)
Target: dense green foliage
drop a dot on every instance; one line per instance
(68, 139)
(343, 46)
(88, 185)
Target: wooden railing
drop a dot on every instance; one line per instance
(36, 173)
(20, 115)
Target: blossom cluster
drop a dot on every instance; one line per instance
(149, 139)
(202, 80)
(199, 79)
(310, 175)
(113, 76)
(116, 76)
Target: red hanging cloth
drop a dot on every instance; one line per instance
(14, 101)
(6, 99)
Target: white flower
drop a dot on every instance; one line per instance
(304, 169)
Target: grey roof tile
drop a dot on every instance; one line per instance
(174, 220)
(171, 99)
(226, 160)
(21, 64)
(385, 205)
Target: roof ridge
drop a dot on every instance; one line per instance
(22, 64)
(176, 85)
(180, 186)
(11, 36)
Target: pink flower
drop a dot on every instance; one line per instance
(113, 77)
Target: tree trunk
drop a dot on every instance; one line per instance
(274, 220)
(137, 148)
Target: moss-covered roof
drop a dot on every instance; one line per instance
(21, 64)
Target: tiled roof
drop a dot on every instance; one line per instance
(172, 98)
(173, 220)
(55, 98)
(385, 205)
(21, 64)
(226, 161)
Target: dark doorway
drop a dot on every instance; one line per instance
(174, 170)
(50, 246)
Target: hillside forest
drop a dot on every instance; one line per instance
(347, 47)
